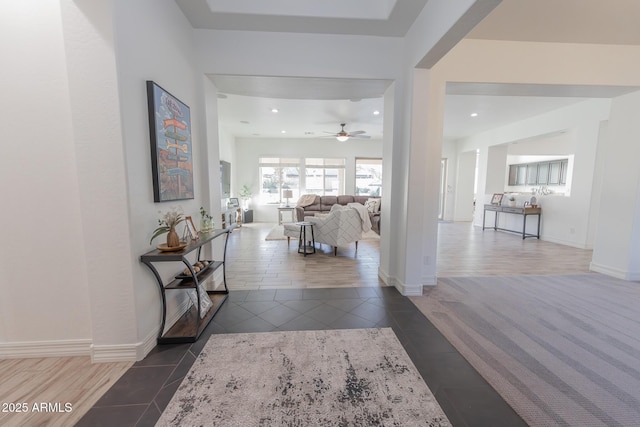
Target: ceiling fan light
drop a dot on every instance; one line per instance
(342, 138)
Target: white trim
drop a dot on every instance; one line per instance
(404, 289)
(113, 353)
(429, 280)
(30, 349)
(388, 280)
(570, 243)
(614, 272)
(409, 290)
(147, 344)
(137, 351)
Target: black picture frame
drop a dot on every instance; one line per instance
(497, 198)
(171, 147)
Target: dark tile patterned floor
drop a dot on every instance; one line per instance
(140, 396)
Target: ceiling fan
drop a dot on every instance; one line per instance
(343, 135)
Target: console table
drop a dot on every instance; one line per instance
(524, 211)
(191, 324)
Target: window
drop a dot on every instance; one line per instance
(553, 172)
(277, 174)
(517, 174)
(368, 177)
(324, 177)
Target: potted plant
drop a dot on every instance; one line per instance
(245, 195)
(206, 221)
(167, 224)
(512, 200)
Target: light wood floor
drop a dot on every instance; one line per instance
(465, 250)
(254, 263)
(73, 380)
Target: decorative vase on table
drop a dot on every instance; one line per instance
(173, 240)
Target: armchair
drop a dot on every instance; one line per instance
(340, 227)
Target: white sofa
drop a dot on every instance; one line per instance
(340, 227)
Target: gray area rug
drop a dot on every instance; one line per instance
(561, 350)
(353, 377)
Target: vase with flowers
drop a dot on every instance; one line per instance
(167, 224)
(206, 221)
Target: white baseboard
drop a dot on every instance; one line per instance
(137, 351)
(566, 242)
(403, 288)
(113, 353)
(429, 280)
(31, 349)
(632, 276)
(98, 353)
(388, 280)
(409, 290)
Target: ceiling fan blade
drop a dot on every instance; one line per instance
(360, 136)
(356, 132)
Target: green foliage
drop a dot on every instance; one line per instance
(168, 220)
(245, 193)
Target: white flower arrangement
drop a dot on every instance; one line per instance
(168, 221)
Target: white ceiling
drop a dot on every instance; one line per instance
(307, 108)
(391, 18)
(250, 99)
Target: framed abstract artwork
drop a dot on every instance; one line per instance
(171, 148)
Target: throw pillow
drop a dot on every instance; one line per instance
(373, 205)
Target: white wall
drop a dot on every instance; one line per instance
(496, 166)
(563, 219)
(617, 251)
(43, 269)
(249, 150)
(450, 153)
(465, 180)
(556, 63)
(418, 140)
(89, 42)
(155, 42)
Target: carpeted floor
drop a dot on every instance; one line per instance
(306, 378)
(561, 350)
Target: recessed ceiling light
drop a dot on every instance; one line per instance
(309, 133)
(376, 113)
(283, 131)
(244, 122)
(474, 114)
(274, 110)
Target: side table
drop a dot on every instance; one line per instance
(281, 209)
(305, 246)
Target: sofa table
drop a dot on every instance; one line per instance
(191, 324)
(524, 211)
